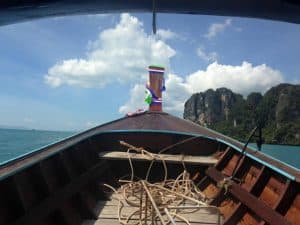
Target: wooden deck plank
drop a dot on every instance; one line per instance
(188, 159)
(116, 222)
(107, 214)
(193, 217)
(108, 208)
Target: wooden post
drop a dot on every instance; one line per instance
(156, 85)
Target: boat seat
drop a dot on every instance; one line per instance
(168, 158)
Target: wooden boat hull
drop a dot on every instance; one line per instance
(60, 183)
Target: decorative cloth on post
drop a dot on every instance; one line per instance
(151, 98)
(148, 98)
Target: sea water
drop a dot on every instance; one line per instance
(288, 154)
(14, 143)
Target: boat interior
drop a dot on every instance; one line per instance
(64, 184)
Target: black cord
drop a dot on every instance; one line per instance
(153, 17)
(243, 151)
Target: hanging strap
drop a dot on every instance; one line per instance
(153, 17)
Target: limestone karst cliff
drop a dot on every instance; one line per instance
(278, 111)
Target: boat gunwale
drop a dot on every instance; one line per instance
(71, 141)
(76, 138)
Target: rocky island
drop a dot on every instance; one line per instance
(277, 111)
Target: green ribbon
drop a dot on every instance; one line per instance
(148, 98)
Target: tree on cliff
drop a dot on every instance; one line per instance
(278, 112)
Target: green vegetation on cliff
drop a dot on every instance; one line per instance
(278, 112)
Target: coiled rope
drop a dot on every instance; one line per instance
(163, 202)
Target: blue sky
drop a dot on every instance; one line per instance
(71, 73)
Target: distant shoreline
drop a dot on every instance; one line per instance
(32, 129)
(62, 131)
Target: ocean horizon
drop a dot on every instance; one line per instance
(17, 142)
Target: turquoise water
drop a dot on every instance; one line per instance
(14, 143)
(285, 153)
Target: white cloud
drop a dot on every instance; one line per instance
(208, 57)
(243, 79)
(120, 54)
(136, 100)
(166, 34)
(216, 28)
(177, 92)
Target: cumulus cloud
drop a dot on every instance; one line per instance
(176, 94)
(208, 57)
(243, 79)
(216, 28)
(120, 54)
(136, 99)
(166, 34)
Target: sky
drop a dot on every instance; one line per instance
(76, 72)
